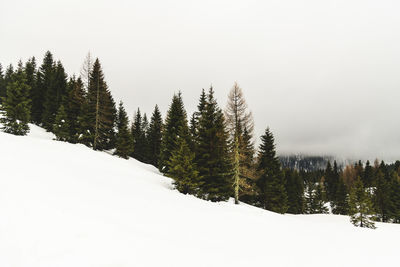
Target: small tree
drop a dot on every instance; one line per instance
(16, 104)
(361, 210)
(123, 142)
(182, 169)
(61, 125)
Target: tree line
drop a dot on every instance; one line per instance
(210, 154)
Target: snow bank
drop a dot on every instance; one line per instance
(66, 205)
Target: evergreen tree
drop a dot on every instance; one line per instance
(320, 199)
(16, 104)
(340, 204)
(30, 70)
(382, 201)
(310, 202)
(361, 211)
(61, 126)
(368, 175)
(295, 191)
(236, 170)
(395, 198)
(212, 156)
(101, 112)
(154, 137)
(76, 100)
(145, 138)
(182, 169)
(271, 181)
(139, 137)
(123, 142)
(54, 95)
(175, 126)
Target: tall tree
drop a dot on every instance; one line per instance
(30, 70)
(361, 210)
(2, 84)
(238, 118)
(74, 107)
(154, 137)
(61, 126)
(341, 204)
(139, 137)
(295, 191)
(175, 126)
(86, 70)
(271, 181)
(16, 104)
(382, 192)
(212, 158)
(123, 142)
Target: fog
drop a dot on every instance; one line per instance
(323, 75)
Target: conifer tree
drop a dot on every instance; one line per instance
(101, 112)
(16, 104)
(182, 169)
(320, 199)
(76, 100)
(30, 70)
(54, 95)
(361, 211)
(340, 204)
(295, 191)
(236, 170)
(310, 202)
(382, 201)
(139, 137)
(395, 197)
(44, 83)
(212, 158)
(271, 181)
(368, 175)
(175, 126)
(154, 137)
(61, 125)
(123, 142)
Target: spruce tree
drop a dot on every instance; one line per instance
(154, 137)
(123, 142)
(361, 210)
(310, 201)
(30, 70)
(320, 199)
(182, 169)
(16, 104)
(139, 137)
(2, 84)
(340, 204)
(61, 125)
(76, 100)
(368, 175)
(382, 192)
(212, 154)
(271, 181)
(295, 191)
(101, 112)
(175, 126)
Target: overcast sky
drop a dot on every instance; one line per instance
(323, 75)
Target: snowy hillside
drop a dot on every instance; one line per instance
(66, 205)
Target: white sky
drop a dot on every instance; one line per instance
(324, 75)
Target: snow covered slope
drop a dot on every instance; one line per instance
(66, 205)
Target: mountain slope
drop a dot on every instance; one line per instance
(66, 205)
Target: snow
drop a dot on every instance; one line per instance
(66, 205)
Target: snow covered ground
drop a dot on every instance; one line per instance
(66, 205)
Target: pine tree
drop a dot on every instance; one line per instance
(175, 126)
(139, 137)
(340, 204)
(310, 201)
(361, 211)
(295, 192)
(16, 104)
(382, 201)
(44, 84)
(395, 197)
(101, 112)
(368, 175)
(30, 70)
(123, 142)
(54, 95)
(154, 137)
(271, 181)
(182, 169)
(61, 125)
(145, 138)
(212, 158)
(76, 100)
(320, 199)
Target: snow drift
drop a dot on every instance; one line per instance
(66, 205)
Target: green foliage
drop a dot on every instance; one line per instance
(2, 84)
(175, 126)
(139, 137)
(61, 125)
(154, 137)
(361, 210)
(123, 142)
(75, 105)
(182, 169)
(212, 155)
(16, 104)
(271, 182)
(295, 191)
(341, 202)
